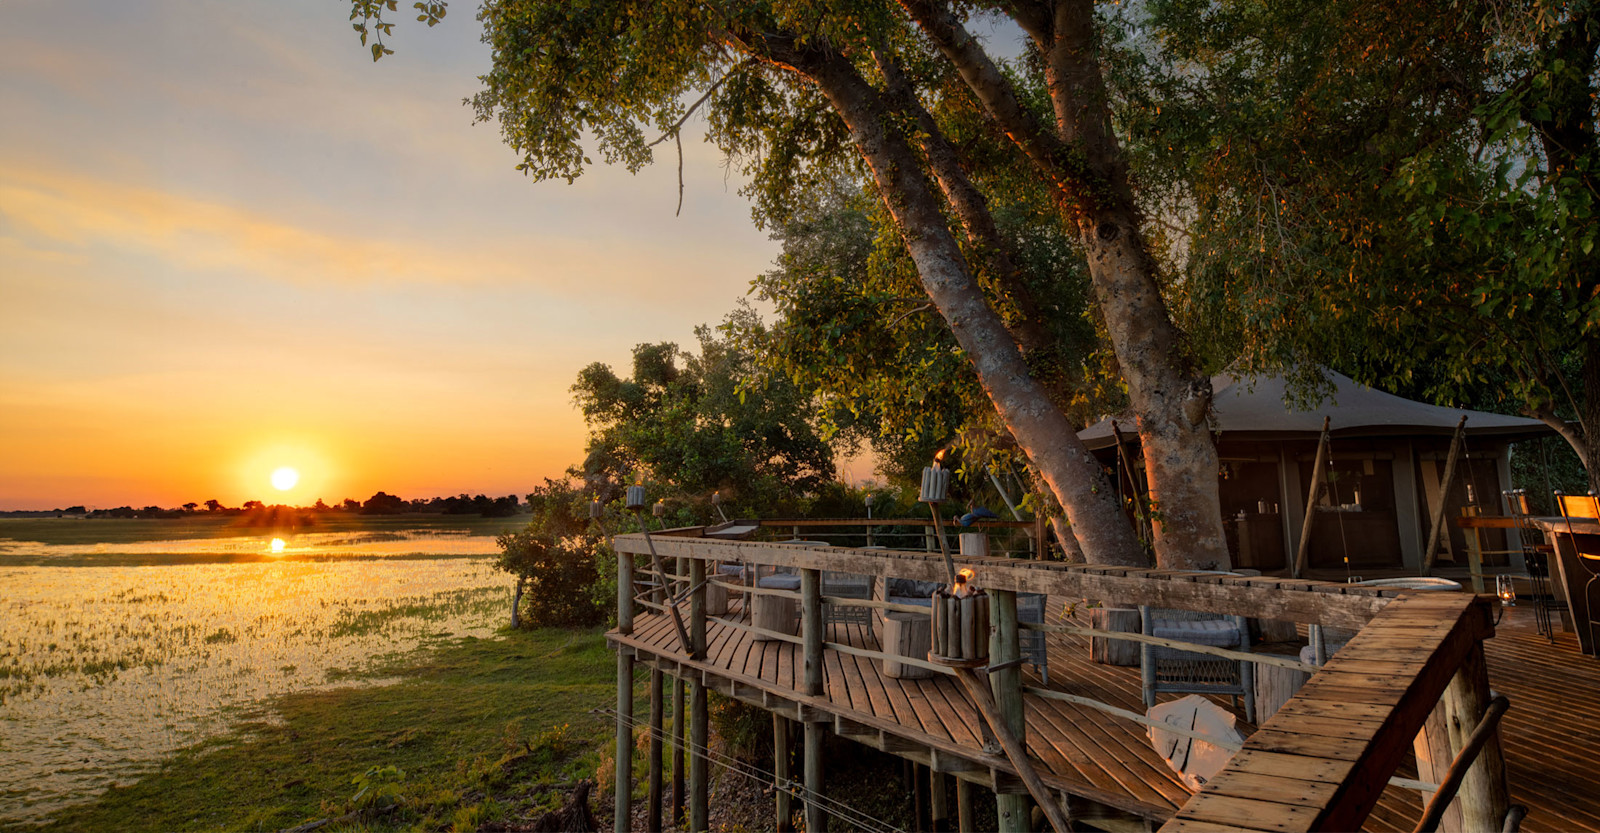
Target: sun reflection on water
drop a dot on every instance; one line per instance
(277, 546)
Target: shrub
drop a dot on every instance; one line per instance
(558, 574)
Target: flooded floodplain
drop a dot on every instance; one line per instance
(105, 670)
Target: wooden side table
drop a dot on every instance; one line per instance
(907, 635)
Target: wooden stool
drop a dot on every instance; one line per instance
(1274, 683)
(776, 613)
(1123, 652)
(907, 635)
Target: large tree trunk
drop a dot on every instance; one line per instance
(1024, 407)
(1082, 158)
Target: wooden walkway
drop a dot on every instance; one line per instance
(1551, 736)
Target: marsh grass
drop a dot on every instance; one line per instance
(104, 671)
(476, 731)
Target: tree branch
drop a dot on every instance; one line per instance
(1064, 166)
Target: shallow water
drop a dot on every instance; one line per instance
(104, 671)
(322, 545)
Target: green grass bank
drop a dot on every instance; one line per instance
(475, 733)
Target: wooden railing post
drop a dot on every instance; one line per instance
(624, 761)
(1483, 800)
(699, 786)
(811, 632)
(1005, 648)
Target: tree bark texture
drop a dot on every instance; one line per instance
(1081, 157)
(1023, 405)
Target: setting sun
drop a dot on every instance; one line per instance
(283, 479)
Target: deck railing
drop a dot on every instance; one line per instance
(1411, 681)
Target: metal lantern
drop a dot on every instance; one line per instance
(1505, 589)
(659, 509)
(594, 510)
(635, 500)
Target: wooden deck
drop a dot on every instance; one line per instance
(1551, 736)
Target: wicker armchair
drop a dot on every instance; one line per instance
(846, 586)
(1187, 672)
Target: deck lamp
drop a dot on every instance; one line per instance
(1505, 589)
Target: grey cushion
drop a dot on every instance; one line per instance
(1309, 653)
(908, 587)
(1218, 633)
(780, 582)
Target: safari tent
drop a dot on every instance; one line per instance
(1387, 458)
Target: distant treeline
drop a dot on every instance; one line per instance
(381, 503)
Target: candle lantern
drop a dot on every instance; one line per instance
(1505, 589)
(635, 499)
(594, 510)
(960, 623)
(659, 509)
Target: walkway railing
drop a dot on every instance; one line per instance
(1412, 680)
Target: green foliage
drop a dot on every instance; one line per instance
(698, 424)
(1402, 194)
(379, 788)
(745, 730)
(558, 572)
(854, 324)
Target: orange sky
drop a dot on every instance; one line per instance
(230, 242)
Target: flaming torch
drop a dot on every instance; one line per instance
(960, 623)
(935, 486)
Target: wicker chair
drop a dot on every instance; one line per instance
(1187, 672)
(846, 586)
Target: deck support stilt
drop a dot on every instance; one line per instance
(653, 809)
(699, 786)
(919, 803)
(624, 762)
(680, 740)
(780, 771)
(816, 817)
(1006, 685)
(964, 818)
(811, 631)
(1482, 801)
(939, 808)
(653, 816)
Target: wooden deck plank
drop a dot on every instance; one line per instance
(1548, 735)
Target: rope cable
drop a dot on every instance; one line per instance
(795, 788)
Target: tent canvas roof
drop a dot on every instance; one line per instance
(1255, 408)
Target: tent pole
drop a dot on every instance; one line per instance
(1302, 555)
(1444, 496)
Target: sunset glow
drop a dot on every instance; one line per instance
(424, 330)
(278, 546)
(284, 478)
